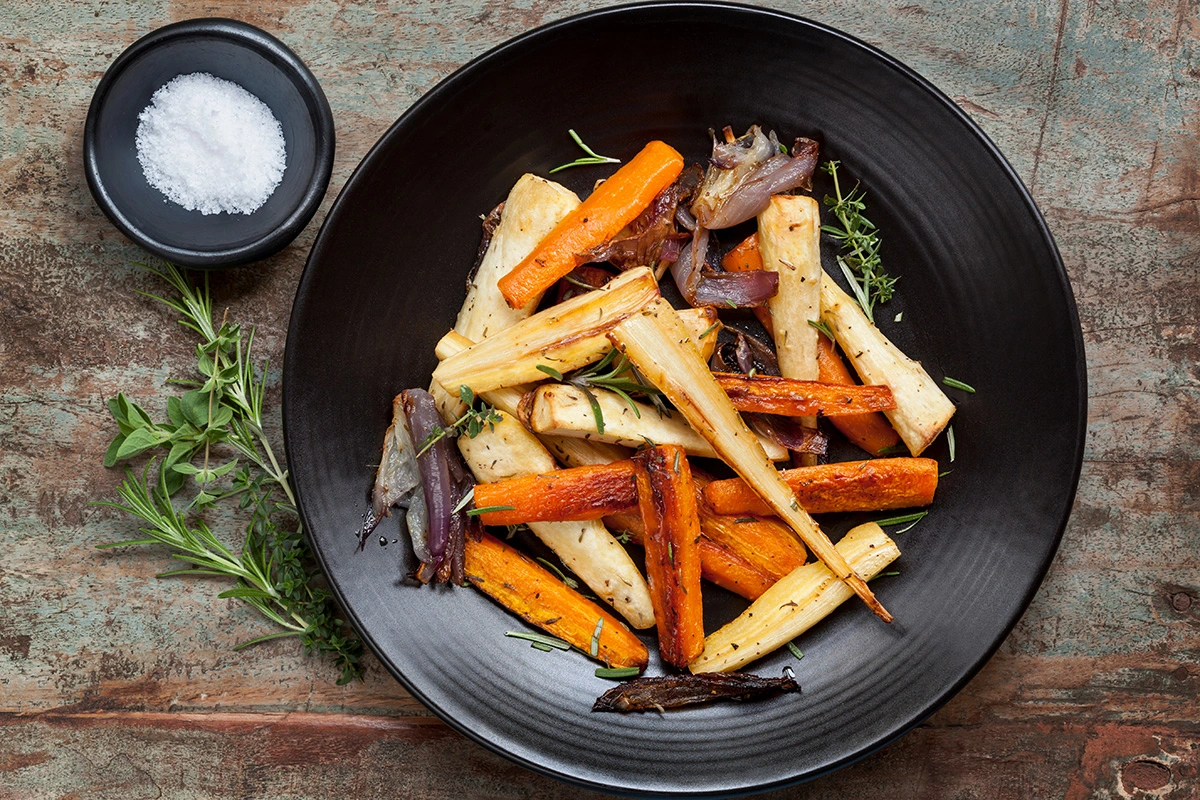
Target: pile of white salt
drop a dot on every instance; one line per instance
(210, 146)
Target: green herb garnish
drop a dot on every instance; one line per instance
(594, 648)
(620, 378)
(551, 371)
(475, 512)
(908, 519)
(274, 571)
(957, 384)
(562, 576)
(591, 158)
(950, 440)
(859, 240)
(796, 651)
(540, 638)
(710, 329)
(820, 325)
(895, 449)
(617, 673)
(472, 422)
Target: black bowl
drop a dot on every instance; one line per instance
(984, 299)
(263, 66)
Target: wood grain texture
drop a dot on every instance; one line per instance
(113, 684)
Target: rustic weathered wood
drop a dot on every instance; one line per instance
(113, 684)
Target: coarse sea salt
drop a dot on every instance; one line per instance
(210, 146)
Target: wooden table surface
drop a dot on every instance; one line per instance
(117, 685)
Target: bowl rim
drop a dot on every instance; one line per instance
(277, 53)
(446, 87)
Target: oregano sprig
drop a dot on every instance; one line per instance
(222, 411)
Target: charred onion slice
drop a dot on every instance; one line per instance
(677, 691)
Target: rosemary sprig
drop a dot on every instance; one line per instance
(274, 571)
(954, 383)
(592, 156)
(621, 378)
(859, 240)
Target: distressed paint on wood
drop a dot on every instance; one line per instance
(113, 684)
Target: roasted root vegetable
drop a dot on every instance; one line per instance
(765, 544)
(871, 432)
(671, 525)
(677, 691)
(533, 208)
(568, 494)
(564, 337)
(613, 205)
(879, 484)
(717, 565)
(794, 604)
(768, 394)
(732, 573)
(505, 451)
(563, 410)
(677, 370)
(922, 409)
(516, 582)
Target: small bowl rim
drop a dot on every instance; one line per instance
(325, 137)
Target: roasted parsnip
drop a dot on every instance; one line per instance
(794, 604)
(678, 371)
(922, 409)
(564, 337)
(533, 207)
(789, 242)
(508, 450)
(564, 410)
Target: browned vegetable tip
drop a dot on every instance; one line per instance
(732, 572)
(766, 545)
(667, 500)
(768, 394)
(577, 493)
(880, 484)
(677, 691)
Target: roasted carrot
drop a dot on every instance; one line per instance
(577, 493)
(765, 544)
(746, 258)
(875, 485)
(731, 572)
(872, 432)
(770, 394)
(613, 205)
(717, 564)
(520, 585)
(667, 501)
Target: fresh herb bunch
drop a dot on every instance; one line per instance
(274, 571)
(859, 239)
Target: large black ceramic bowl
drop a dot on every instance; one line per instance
(984, 299)
(263, 66)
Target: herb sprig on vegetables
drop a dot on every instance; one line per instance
(859, 241)
(592, 156)
(472, 422)
(619, 377)
(274, 570)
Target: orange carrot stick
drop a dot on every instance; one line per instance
(872, 432)
(613, 205)
(577, 493)
(731, 572)
(520, 585)
(746, 258)
(766, 545)
(875, 485)
(770, 394)
(717, 564)
(667, 501)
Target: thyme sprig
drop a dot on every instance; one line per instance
(592, 156)
(859, 239)
(472, 422)
(274, 571)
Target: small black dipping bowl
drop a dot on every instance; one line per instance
(256, 61)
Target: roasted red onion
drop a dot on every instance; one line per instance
(743, 174)
(788, 432)
(652, 237)
(708, 287)
(398, 483)
(439, 488)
